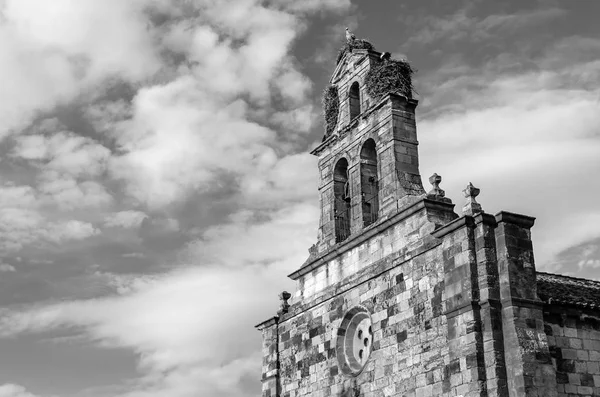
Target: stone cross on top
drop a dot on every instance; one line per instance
(436, 193)
(471, 207)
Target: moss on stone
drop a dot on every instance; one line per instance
(356, 44)
(331, 108)
(391, 76)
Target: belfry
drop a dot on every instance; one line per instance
(401, 295)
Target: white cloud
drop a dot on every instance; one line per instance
(17, 196)
(70, 230)
(466, 26)
(280, 182)
(589, 263)
(186, 325)
(50, 63)
(212, 120)
(6, 268)
(12, 390)
(179, 140)
(63, 152)
(68, 194)
(246, 240)
(125, 219)
(22, 227)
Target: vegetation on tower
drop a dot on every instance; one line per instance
(353, 44)
(390, 76)
(331, 108)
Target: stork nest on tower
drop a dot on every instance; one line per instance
(390, 76)
(331, 108)
(353, 44)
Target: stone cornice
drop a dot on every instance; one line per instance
(517, 219)
(267, 323)
(370, 232)
(463, 221)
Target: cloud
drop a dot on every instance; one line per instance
(67, 194)
(185, 325)
(17, 196)
(64, 152)
(217, 117)
(279, 182)
(125, 219)
(12, 390)
(6, 268)
(180, 140)
(70, 230)
(254, 241)
(133, 255)
(589, 263)
(22, 227)
(464, 26)
(52, 63)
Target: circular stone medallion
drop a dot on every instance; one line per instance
(354, 341)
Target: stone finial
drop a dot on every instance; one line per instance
(471, 207)
(283, 297)
(312, 255)
(436, 192)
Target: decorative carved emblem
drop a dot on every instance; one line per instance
(354, 341)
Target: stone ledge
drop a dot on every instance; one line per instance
(267, 323)
(469, 306)
(521, 302)
(274, 373)
(370, 232)
(456, 224)
(486, 219)
(361, 278)
(517, 219)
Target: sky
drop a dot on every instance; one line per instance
(156, 186)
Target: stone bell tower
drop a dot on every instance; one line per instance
(400, 295)
(368, 160)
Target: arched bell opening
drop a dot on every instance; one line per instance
(369, 183)
(341, 201)
(354, 100)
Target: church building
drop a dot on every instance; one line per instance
(402, 295)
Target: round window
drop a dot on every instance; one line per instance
(354, 341)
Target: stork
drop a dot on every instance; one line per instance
(350, 36)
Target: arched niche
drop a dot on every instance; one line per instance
(354, 100)
(369, 182)
(341, 200)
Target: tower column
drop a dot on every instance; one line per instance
(528, 363)
(270, 350)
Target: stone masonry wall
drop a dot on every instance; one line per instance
(574, 339)
(400, 276)
(449, 309)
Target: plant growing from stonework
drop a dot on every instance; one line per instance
(355, 44)
(331, 108)
(390, 76)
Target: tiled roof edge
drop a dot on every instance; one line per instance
(570, 277)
